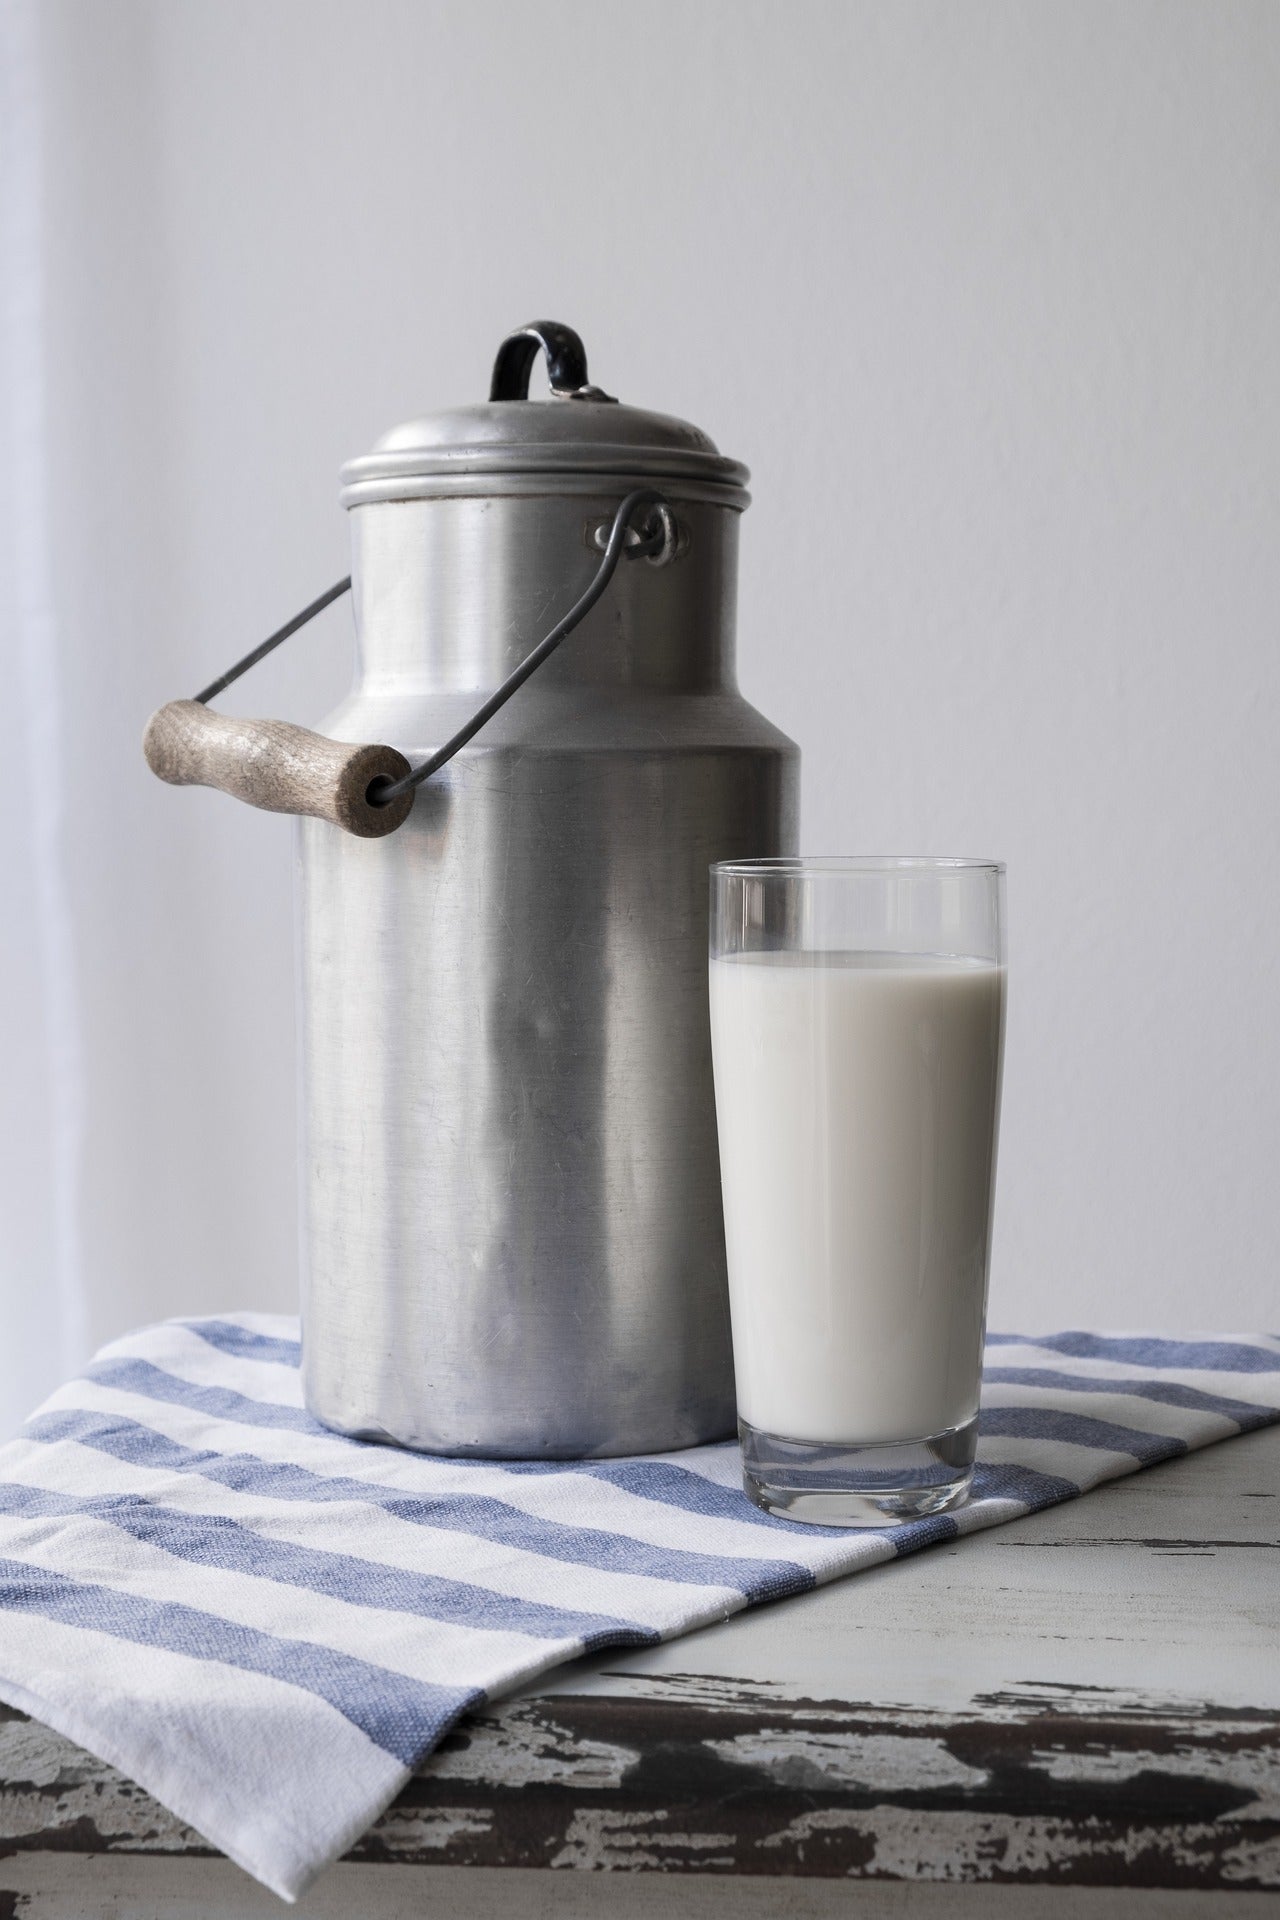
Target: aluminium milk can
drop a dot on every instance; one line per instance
(512, 1241)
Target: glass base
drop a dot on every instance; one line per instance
(843, 1484)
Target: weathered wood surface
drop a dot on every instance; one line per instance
(1087, 1699)
(715, 1777)
(709, 1777)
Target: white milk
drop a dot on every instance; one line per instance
(857, 1096)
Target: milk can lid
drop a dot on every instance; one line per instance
(580, 439)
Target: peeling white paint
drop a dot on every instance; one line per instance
(981, 1847)
(973, 1846)
(1024, 1697)
(119, 1811)
(808, 1826)
(601, 1841)
(32, 1754)
(1257, 1861)
(885, 1762)
(522, 1749)
(1255, 1771)
(432, 1829)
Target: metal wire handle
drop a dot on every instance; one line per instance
(382, 791)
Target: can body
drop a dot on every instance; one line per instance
(512, 1239)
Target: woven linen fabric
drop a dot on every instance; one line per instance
(267, 1625)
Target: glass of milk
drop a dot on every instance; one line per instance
(857, 1026)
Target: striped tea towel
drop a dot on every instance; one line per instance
(267, 1626)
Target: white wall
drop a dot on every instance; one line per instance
(987, 295)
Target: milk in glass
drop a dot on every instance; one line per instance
(857, 1097)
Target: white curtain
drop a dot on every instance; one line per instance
(43, 1309)
(146, 1019)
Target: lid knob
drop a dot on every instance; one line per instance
(566, 363)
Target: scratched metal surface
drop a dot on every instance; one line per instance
(1086, 1699)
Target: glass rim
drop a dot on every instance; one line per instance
(804, 866)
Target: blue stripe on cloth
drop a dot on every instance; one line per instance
(478, 1514)
(1078, 1430)
(1145, 1350)
(1168, 1393)
(214, 1540)
(402, 1716)
(244, 1344)
(1035, 1491)
(674, 1486)
(220, 1403)
(927, 1531)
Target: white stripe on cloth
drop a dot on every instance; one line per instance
(209, 1742)
(268, 1624)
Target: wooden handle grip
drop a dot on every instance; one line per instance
(270, 764)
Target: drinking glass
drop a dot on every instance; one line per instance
(857, 1028)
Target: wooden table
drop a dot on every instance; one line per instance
(1077, 1715)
